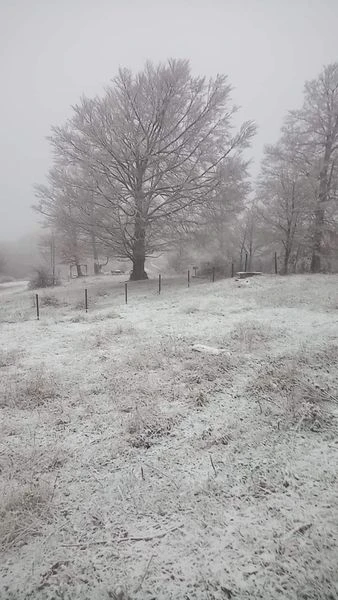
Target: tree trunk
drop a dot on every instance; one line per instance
(241, 259)
(97, 266)
(286, 261)
(79, 270)
(295, 262)
(250, 253)
(287, 250)
(139, 253)
(138, 273)
(320, 209)
(317, 241)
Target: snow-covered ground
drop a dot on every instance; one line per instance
(134, 467)
(11, 285)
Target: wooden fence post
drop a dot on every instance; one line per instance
(37, 307)
(86, 299)
(126, 292)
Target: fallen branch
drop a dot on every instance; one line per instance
(212, 464)
(301, 529)
(151, 537)
(144, 575)
(141, 538)
(162, 473)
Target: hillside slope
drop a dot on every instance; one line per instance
(133, 466)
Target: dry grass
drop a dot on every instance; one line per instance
(288, 385)
(167, 371)
(250, 335)
(9, 358)
(29, 390)
(211, 437)
(105, 337)
(24, 510)
(191, 310)
(28, 482)
(50, 300)
(159, 473)
(147, 425)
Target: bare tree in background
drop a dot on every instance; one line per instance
(285, 200)
(150, 151)
(68, 208)
(245, 241)
(226, 203)
(60, 209)
(313, 131)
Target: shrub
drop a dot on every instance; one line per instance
(50, 300)
(43, 278)
(221, 266)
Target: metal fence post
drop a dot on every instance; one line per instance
(37, 307)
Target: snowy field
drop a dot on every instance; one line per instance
(133, 466)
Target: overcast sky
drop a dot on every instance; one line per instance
(51, 51)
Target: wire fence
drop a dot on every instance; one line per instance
(132, 291)
(127, 292)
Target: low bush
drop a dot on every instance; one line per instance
(32, 390)
(50, 300)
(43, 278)
(23, 511)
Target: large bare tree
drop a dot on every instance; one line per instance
(313, 132)
(150, 152)
(284, 201)
(59, 203)
(218, 215)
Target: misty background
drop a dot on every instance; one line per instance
(52, 53)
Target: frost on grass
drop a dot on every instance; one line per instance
(28, 481)
(106, 337)
(251, 335)
(161, 475)
(148, 424)
(29, 389)
(168, 371)
(24, 510)
(9, 358)
(298, 387)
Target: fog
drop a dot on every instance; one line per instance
(51, 53)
